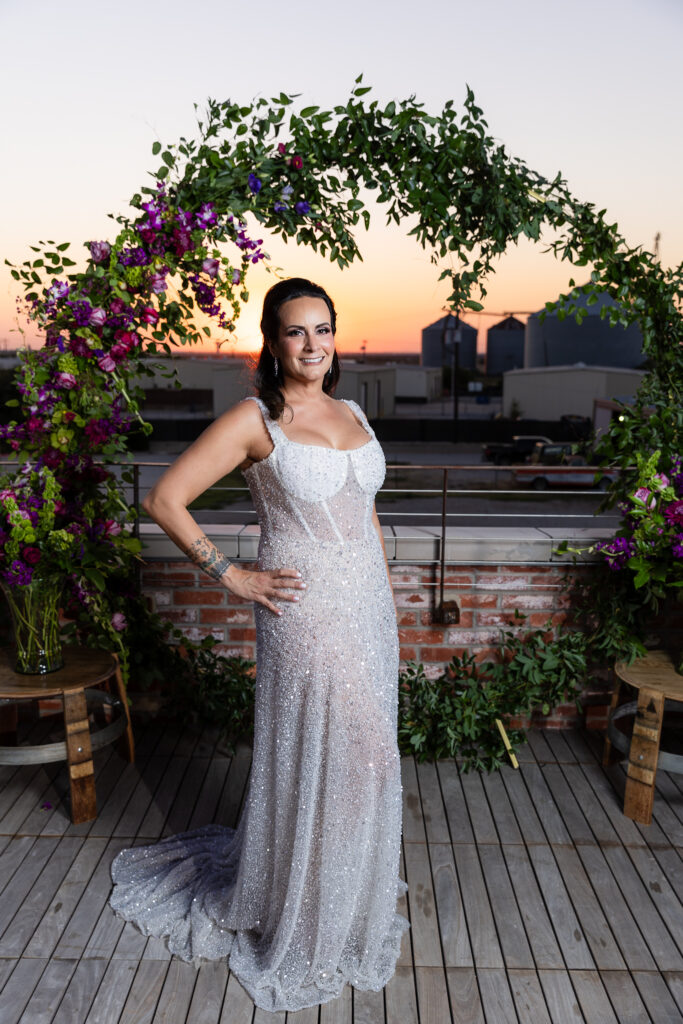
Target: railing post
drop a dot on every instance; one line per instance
(446, 612)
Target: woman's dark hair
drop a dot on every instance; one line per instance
(267, 384)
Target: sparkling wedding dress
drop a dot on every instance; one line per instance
(301, 896)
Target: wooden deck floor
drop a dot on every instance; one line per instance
(531, 897)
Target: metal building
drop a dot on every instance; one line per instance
(434, 353)
(556, 342)
(505, 346)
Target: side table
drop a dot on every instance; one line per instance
(660, 688)
(84, 668)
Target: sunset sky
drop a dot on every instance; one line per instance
(588, 87)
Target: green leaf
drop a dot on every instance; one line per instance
(156, 148)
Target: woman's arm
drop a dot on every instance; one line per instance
(238, 436)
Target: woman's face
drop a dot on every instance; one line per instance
(305, 344)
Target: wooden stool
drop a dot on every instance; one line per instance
(83, 668)
(659, 688)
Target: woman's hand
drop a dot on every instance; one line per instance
(264, 585)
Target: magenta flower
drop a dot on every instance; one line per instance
(296, 162)
(79, 347)
(98, 317)
(118, 621)
(100, 251)
(127, 339)
(118, 352)
(254, 183)
(58, 290)
(106, 363)
(149, 315)
(236, 277)
(674, 512)
(112, 528)
(182, 242)
(117, 306)
(281, 148)
(157, 282)
(31, 555)
(210, 266)
(677, 547)
(662, 480)
(642, 495)
(206, 216)
(66, 380)
(183, 219)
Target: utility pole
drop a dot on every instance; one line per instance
(451, 336)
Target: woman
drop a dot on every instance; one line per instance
(302, 895)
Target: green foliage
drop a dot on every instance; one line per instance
(216, 690)
(455, 714)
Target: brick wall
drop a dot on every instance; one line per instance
(487, 594)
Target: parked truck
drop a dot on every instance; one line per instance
(508, 453)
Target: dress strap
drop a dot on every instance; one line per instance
(276, 432)
(359, 414)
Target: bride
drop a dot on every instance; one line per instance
(301, 896)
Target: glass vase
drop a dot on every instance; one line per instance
(35, 614)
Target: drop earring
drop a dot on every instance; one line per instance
(275, 366)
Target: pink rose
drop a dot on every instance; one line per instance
(118, 621)
(296, 162)
(281, 148)
(127, 339)
(65, 380)
(118, 352)
(662, 480)
(112, 528)
(31, 555)
(149, 315)
(106, 363)
(98, 317)
(642, 495)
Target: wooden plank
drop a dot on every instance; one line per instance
(591, 808)
(179, 817)
(235, 789)
(667, 819)
(406, 955)
(594, 924)
(561, 999)
(265, 1017)
(452, 924)
(539, 928)
(14, 789)
(80, 993)
(501, 808)
(423, 919)
(464, 994)
(6, 968)
(340, 1010)
(77, 932)
(15, 852)
(35, 903)
(482, 930)
(238, 1007)
(152, 826)
(621, 920)
(624, 997)
(207, 802)
(528, 997)
(17, 992)
(432, 996)
(657, 998)
(483, 825)
(432, 804)
(25, 877)
(131, 943)
(580, 749)
(152, 774)
(546, 808)
(454, 802)
(176, 993)
(569, 810)
(674, 980)
(571, 939)
(118, 799)
(543, 753)
(209, 990)
(556, 740)
(651, 925)
(413, 822)
(54, 920)
(665, 899)
(50, 814)
(48, 993)
(401, 1000)
(311, 1015)
(368, 1008)
(496, 998)
(112, 993)
(511, 931)
(523, 806)
(144, 993)
(593, 998)
(33, 794)
(599, 781)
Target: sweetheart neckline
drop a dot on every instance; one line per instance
(301, 444)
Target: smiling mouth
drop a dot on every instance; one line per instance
(312, 361)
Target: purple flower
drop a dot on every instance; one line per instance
(154, 210)
(206, 216)
(236, 277)
(78, 346)
(302, 207)
(279, 207)
(18, 574)
(57, 290)
(118, 621)
(674, 512)
(135, 257)
(100, 251)
(210, 266)
(81, 310)
(98, 317)
(182, 241)
(617, 551)
(677, 548)
(642, 495)
(157, 282)
(106, 363)
(183, 219)
(254, 183)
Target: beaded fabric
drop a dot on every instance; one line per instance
(301, 896)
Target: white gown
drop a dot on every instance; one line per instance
(301, 896)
